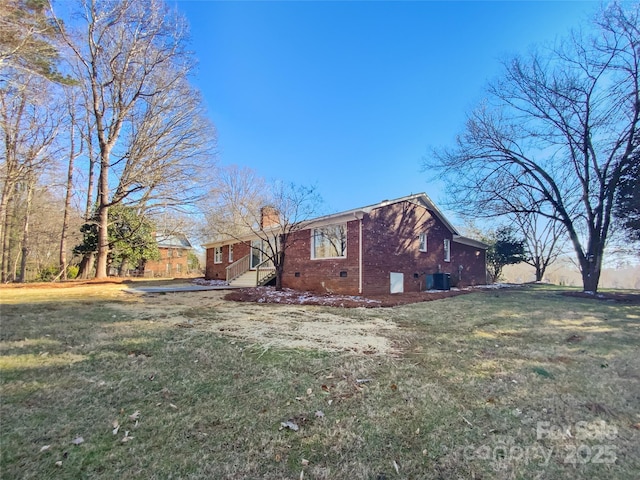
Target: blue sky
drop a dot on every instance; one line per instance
(351, 96)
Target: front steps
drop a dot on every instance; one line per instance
(247, 279)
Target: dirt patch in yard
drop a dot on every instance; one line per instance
(293, 297)
(267, 325)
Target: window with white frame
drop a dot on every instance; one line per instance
(217, 255)
(230, 253)
(329, 241)
(422, 238)
(447, 250)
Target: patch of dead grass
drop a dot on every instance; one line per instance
(447, 378)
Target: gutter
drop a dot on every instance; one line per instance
(359, 215)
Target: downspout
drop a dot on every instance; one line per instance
(359, 215)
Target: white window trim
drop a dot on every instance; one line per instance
(422, 242)
(313, 246)
(230, 253)
(217, 255)
(447, 250)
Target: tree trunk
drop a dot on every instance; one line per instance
(67, 203)
(122, 271)
(4, 243)
(279, 265)
(7, 243)
(103, 214)
(540, 268)
(4, 209)
(86, 265)
(591, 268)
(103, 242)
(25, 232)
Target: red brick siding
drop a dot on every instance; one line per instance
(468, 265)
(391, 244)
(321, 275)
(176, 258)
(218, 271)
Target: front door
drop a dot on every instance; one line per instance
(256, 253)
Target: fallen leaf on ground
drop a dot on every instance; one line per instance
(304, 462)
(77, 440)
(135, 415)
(319, 413)
(45, 448)
(173, 406)
(59, 463)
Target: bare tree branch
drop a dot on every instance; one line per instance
(557, 133)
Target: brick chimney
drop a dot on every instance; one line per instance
(269, 217)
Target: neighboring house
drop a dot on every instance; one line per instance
(174, 256)
(391, 247)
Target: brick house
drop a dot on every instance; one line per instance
(174, 256)
(391, 247)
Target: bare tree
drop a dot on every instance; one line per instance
(74, 150)
(171, 148)
(29, 125)
(556, 136)
(544, 239)
(134, 61)
(245, 207)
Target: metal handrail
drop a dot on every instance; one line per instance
(238, 268)
(265, 271)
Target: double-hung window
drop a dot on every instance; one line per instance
(422, 238)
(230, 253)
(217, 255)
(329, 242)
(447, 250)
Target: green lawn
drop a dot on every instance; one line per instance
(516, 383)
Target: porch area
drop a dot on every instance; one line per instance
(250, 272)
